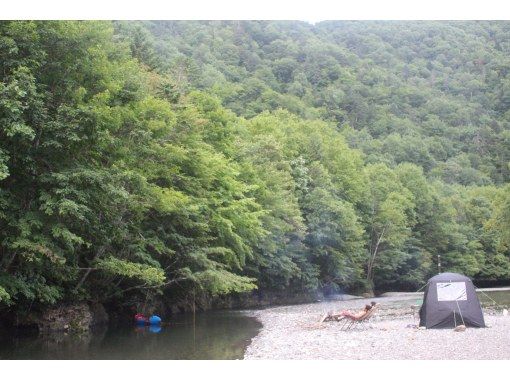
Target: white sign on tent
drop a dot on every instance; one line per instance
(451, 291)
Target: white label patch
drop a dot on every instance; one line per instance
(451, 291)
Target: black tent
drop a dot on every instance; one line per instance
(450, 300)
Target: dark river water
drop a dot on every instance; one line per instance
(211, 335)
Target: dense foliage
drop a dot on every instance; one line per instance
(170, 159)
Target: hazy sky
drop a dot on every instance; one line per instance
(309, 10)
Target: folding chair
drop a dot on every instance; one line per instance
(353, 322)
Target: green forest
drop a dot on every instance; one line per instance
(185, 160)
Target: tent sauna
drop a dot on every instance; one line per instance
(450, 300)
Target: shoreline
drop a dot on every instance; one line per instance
(293, 332)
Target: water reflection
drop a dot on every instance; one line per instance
(213, 335)
(155, 329)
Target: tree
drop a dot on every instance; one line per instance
(389, 218)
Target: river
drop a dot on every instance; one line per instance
(489, 298)
(210, 335)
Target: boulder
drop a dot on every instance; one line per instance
(76, 318)
(99, 315)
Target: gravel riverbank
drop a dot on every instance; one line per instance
(292, 332)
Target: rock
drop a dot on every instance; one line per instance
(76, 318)
(99, 314)
(460, 328)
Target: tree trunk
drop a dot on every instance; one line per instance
(373, 255)
(87, 272)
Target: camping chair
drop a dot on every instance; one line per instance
(351, 321)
